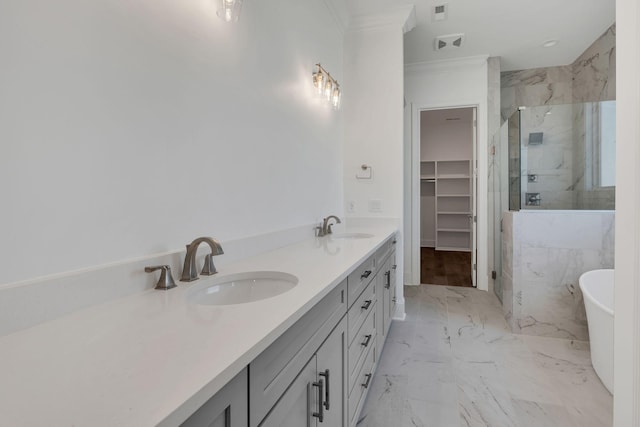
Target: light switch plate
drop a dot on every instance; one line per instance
(375, 205)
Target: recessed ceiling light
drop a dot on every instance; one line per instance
(550, 43)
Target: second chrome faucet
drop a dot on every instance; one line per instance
(325, 228)
(189, 271)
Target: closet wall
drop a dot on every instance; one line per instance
(446, 151)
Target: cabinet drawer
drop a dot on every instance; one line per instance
(359, 279)
(359, 392)
(364, 305)
(360, 346)
(271, 373)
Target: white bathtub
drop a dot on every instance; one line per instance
(597, 289)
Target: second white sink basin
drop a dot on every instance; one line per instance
(352, 236)
(241, 288)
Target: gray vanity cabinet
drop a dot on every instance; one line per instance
(316, 397)
(227, 408)
(273, 372)
(318, 372)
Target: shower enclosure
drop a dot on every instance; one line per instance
(551, 157)
(554, 193)
(562, 157)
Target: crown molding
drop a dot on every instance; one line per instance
(402, 16)
(446, 64)
(340, 13)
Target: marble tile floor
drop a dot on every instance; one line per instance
(455, 363)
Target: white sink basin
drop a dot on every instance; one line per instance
(352, 236)
(242, 288)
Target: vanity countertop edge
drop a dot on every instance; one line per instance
(154, 358)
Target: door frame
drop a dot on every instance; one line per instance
(480, 196)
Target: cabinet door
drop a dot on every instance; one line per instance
(228, 408)
(297, 406)
(380, 310)
(386, 295)
(272, 372)
(332, 368)
(394, 296)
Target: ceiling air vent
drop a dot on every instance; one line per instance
(440, 12)
(449, 41)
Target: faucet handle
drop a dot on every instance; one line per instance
(166, 280)
(208, 269)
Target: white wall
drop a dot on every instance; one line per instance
(443, 84)
(627, 297)
(446, 140)
(374, 120)
(130, 127)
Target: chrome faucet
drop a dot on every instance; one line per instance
(189, 271)
(326, 227)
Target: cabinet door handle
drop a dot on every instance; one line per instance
(320, 414)
(366, 274)
(365, 384)
(325, 374)
(387, 275)
(394, 266)
(366, 305)
(366, 341)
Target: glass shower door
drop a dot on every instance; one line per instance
(514, 150)
(498, 201)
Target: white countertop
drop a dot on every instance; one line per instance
(153, 358)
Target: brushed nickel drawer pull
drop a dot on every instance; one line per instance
(366, 341)
(368, 379)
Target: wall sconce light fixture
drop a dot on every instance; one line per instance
(326, 86)
(229, 10)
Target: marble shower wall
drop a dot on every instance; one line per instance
(535, 87)
(591, 77)
(551, 162)
(594, 72)
(545, 252)
(550, 95)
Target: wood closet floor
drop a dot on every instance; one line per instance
(445, 268)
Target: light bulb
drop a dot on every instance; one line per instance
(229, 10)
(318, 82)
(227, 14)
(335, 98)
(328, 89)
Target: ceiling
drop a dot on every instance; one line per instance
(514, 30)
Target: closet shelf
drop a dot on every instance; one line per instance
(452, 248)
(448, 203)
(454, 176)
